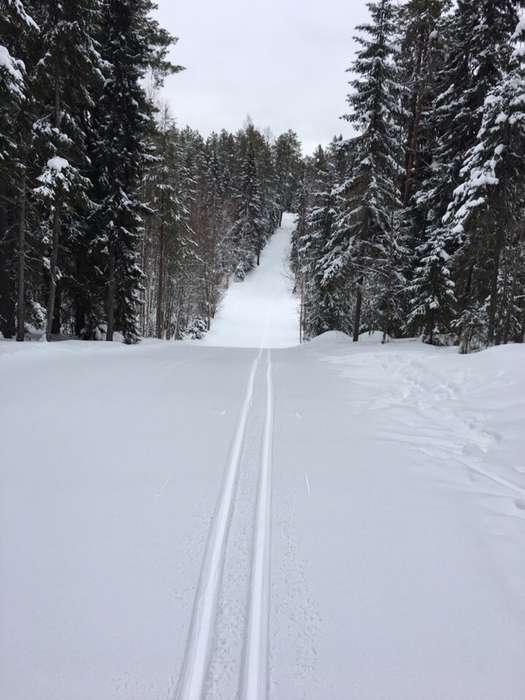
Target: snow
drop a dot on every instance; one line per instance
(10, 64)
(261, 309)
(14, 70)
(194, 673)
(18, 7)
(410, 542)
(52, 176)
(331, 520)
(520, 28)
(57, 163)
